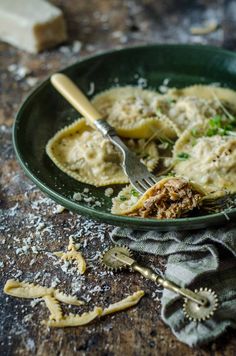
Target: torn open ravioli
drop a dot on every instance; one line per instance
(87, 156)
(170, 198)
(131, 112)
(209, 161)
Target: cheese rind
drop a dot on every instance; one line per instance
(32, 25)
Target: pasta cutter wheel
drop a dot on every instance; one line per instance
(197, 312)
(198, 305)
(110, 261)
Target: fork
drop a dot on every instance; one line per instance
(139, 176)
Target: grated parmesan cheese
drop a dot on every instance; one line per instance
(109, 192)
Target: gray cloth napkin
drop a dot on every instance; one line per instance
(202, 258)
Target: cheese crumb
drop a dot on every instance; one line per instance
(109, 192)
(77, 196)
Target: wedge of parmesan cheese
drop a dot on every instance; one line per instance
(32, 25)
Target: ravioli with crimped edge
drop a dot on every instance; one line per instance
(88, 157)
(208, 92)
(209, 160)
(132, 112)
(171, 197)
(195, 104)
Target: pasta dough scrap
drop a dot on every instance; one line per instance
(29, 291)
(54, 307)
(74, 319)
(51, 297)
(88, 157)
(78, 320)
(125, 303)
(131, 111)
(74, 255)
(67, 299)
(211, 161)
(26, 290)
(171, 197)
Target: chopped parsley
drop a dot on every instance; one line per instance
(194, 132)
(221, 125)
(171, 174)
(166, 143)
(123, 198)
(170, 100)
(159, 111)
(134, 192)
(183, 156)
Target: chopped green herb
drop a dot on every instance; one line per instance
(166, 143)
(211, 132)
(123, 198)
(170, 100)
(216, 121)
(159, 111)
(194, 132)
(134, 192)
(221, 125)
(171, 174)
(183, 156)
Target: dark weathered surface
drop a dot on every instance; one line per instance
(30, 226)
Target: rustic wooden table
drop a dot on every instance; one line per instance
(32, 228)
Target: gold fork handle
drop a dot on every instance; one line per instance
(75, 97)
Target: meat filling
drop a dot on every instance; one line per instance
(174, 199)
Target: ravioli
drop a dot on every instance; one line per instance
(190, 109)
(87, 156)
(209, 160)
(208, 92)
(132, 112)
(194, 104)
(171, 197)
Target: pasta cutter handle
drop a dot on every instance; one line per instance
(184, 292)
(187, 293)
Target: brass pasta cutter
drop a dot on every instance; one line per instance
(198, 305)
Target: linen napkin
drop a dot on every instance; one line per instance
(202, 258)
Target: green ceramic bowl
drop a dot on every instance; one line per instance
(44, 112)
